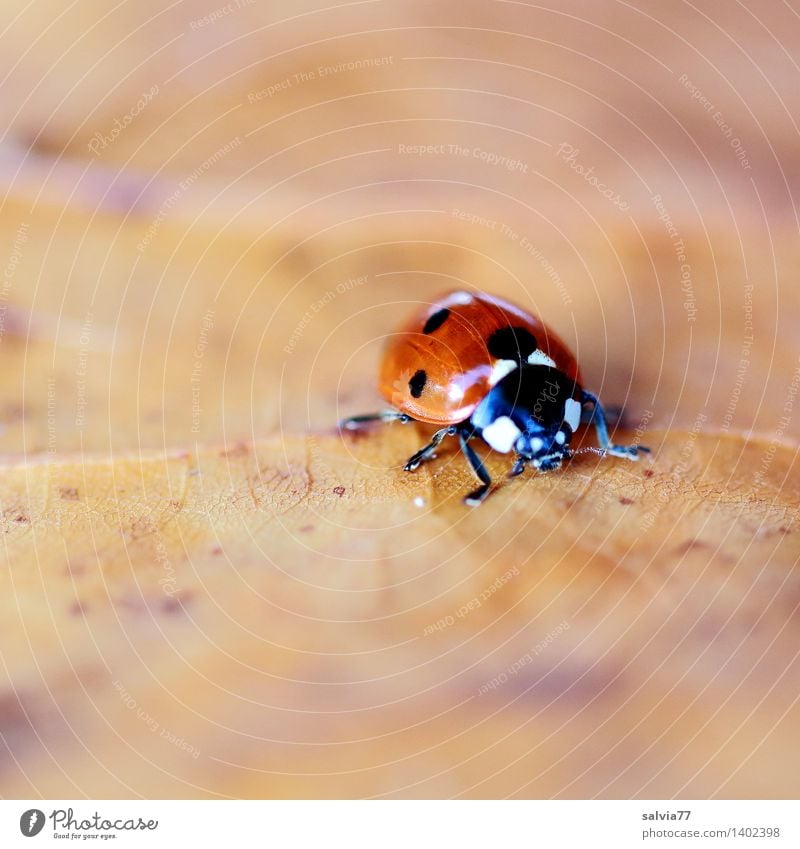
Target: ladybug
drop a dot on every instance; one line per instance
(479, 366)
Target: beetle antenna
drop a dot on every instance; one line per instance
(588, 450)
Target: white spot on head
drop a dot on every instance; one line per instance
(536, 444)
(500, 369)
(501, 434)
(560, 438)
(539, 358)
(572, 414)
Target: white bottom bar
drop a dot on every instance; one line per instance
(389, 824)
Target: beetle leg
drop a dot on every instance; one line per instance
(426, 453)
(354, 422)
(598, 419)
(613, 414)
(476, 496)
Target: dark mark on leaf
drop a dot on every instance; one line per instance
(690, 545)
(176, 603)
(238, 450)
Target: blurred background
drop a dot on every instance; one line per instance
(627, 171)
(213, 213)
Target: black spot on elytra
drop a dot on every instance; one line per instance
(512, 343)
(417, 383)
(436, 320)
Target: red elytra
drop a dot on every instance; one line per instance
(450, 354)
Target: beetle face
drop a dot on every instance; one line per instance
(544, 446)
(533, 411)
